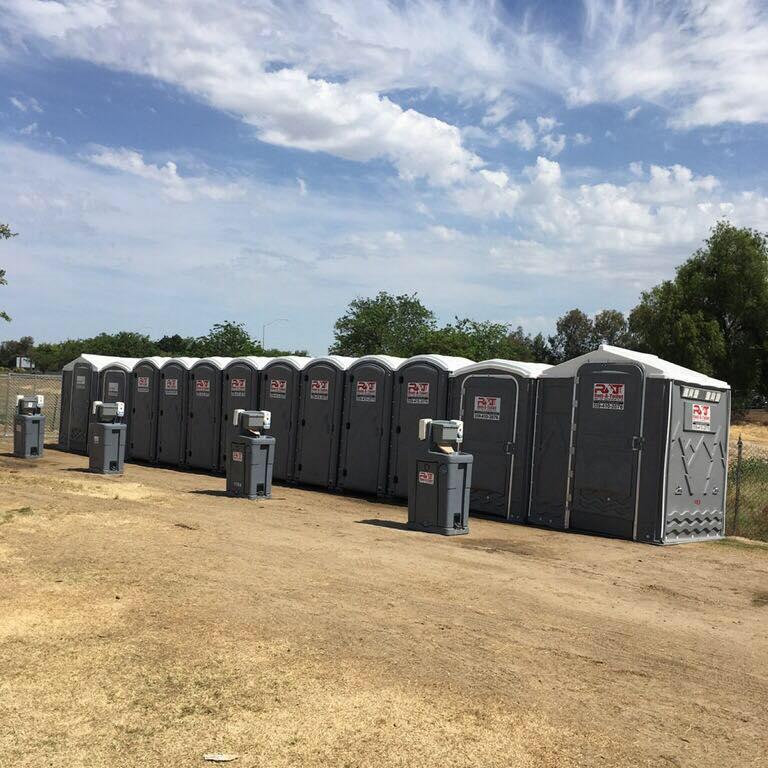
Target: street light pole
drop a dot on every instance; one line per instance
(266, 325)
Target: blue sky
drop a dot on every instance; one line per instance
(172, 164)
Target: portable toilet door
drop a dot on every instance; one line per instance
(240, 390)
(80, 387)
(172, 410)
(204, 413)
(496, 400)
(145, 399)
(319, 424)
(366, 424)
(630, 419)
(420, 392)
(279, 394)
(115, 384)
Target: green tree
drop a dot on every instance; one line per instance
(610, 327)
(176, 346)
(10, 350)
(5, 234)
(713, 315)
(385, 324)
(478, 340)
(227, 339)
(573, 336)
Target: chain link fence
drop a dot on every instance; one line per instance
(14, 384)
(748, 490)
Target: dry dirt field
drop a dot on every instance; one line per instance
(147, 620)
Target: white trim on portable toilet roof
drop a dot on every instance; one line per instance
(257, 363)
(389, 361)
(445, 362)
(219, 362)
(654, 366)
(299, 363)
(340, 362)
(528, 370)
(158, 362)
(100, 362)
(184, 362)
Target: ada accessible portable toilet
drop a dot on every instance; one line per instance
(240, 391)
(632, 446)
(172, 410)
(420, 392)
(279, 394)
(204, 413)
(144, 399)
(496, 400)
(85, 379)
(319, 423)
(366, 420)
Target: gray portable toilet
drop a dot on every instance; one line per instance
(279, 394)
(172, 410)
(420, 392)
(366, 423)
(204, 413)
(145, 400)
(319, 424)
(631, 446)
(496, 400)
(85, 379)
(240, 390)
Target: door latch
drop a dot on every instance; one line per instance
(638, 443)
(509, 447)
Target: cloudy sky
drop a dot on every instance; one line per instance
(172, 163)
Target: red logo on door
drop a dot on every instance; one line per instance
(366, 391)
(608, 396)
(417, 392)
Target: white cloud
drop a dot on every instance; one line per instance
(631, 114)
(581, 139)
(521, 134)
(28, 130)
(26, 104)
(545, 124)
(446, 234)
(498, 111)
(553, 144)
(174, 186)
(302, 186)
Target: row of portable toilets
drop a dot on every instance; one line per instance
(613, 442)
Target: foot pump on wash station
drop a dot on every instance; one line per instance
(440, 479)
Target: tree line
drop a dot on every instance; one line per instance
(712, 316)
(227, 339)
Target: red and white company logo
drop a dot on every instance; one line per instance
(366, 387)
(171, 385)
(702, 414)
(237, 456)
(320, 386)
(428, 478)
(418, 389)
(487, 404)
(238, 385)
(278, 386)
(202, 386)
(143, 382)
(609, 392)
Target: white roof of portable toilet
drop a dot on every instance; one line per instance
(299, 363)
(100, 362)
(254, 361)
(654, 367)
(184, 362)
(528, 370)
(445, 362)
(219, 362)
(340, 362)
(393, 363)
(158, 362)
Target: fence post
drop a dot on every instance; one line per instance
(737, 480)
(7, 404)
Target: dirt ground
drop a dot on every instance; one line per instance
(149, 619)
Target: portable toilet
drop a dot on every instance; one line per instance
(85, 379)
(145, 403)
(496, 400)
(240, 390)
(204, 413)
(319, 423)
(420, 392)
(366, 420)
(279, 394)
(631, 446)
(172, 410)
